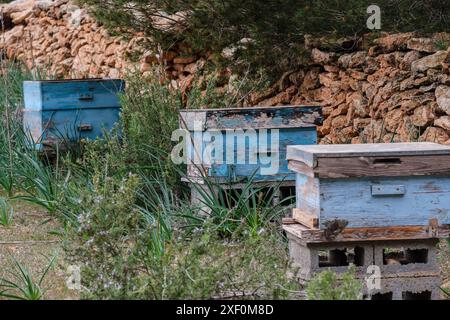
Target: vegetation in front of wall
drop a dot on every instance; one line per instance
(125, 217)
(268, 34)
(327, 285)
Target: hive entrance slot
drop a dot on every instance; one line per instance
(382, 296)
(387, 161)
(424, 295)
(341, 257)
(404, 256)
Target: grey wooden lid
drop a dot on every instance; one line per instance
(308, 154)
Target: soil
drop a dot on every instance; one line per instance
(32, 240)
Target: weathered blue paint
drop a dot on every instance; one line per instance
(70, 109)
(373, 185)
(292, 124)
(307, 194)
(423, 198)
(288, 136)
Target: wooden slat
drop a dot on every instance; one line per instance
(307, 220)
(308, 235)
(288, 220)
(382, 166)
(254, 118)
(310, 154)
(300, 167)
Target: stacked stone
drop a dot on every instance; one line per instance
(396, 90)
(65, 41)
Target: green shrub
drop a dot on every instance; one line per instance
(200, 267)
(206, 267)
(276, 27)
(328, 286)
(149, 114)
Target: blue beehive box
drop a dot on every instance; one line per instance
(242, 133)
(70, 109)
(372, 185)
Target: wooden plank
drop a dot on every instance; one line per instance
(309, 154)
(300, 167)
(308, 235)
(305, 219)
(307, 194)
(382, 166)
(257, 117)
(425, 198)
(288, 221)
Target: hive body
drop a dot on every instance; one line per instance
(69, 110)
(373, 185)
(246, 133)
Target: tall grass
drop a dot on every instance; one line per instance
(24, 173)
(21, 285)
(11, 78)
(246, 208)
(6, 213)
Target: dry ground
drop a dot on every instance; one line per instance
(31, 240)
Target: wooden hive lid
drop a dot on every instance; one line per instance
(251, 118)
(377, 159)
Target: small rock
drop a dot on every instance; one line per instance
(394, 42)
(433, 134)
(422, 44)
(321, 57)
(297, 77)
(393, 119)
(311, 80)
(408, 59)
(339, 122)
(443, 122)
(428, 62)
(195, 66)
(19, 17)
(145, 67)
(280, 99)
(330, 68)
(423, 116)
(352, 60)
(443, 98)
(113, 73)
(340, 110)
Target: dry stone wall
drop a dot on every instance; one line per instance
(397, 90)
(63, 39)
